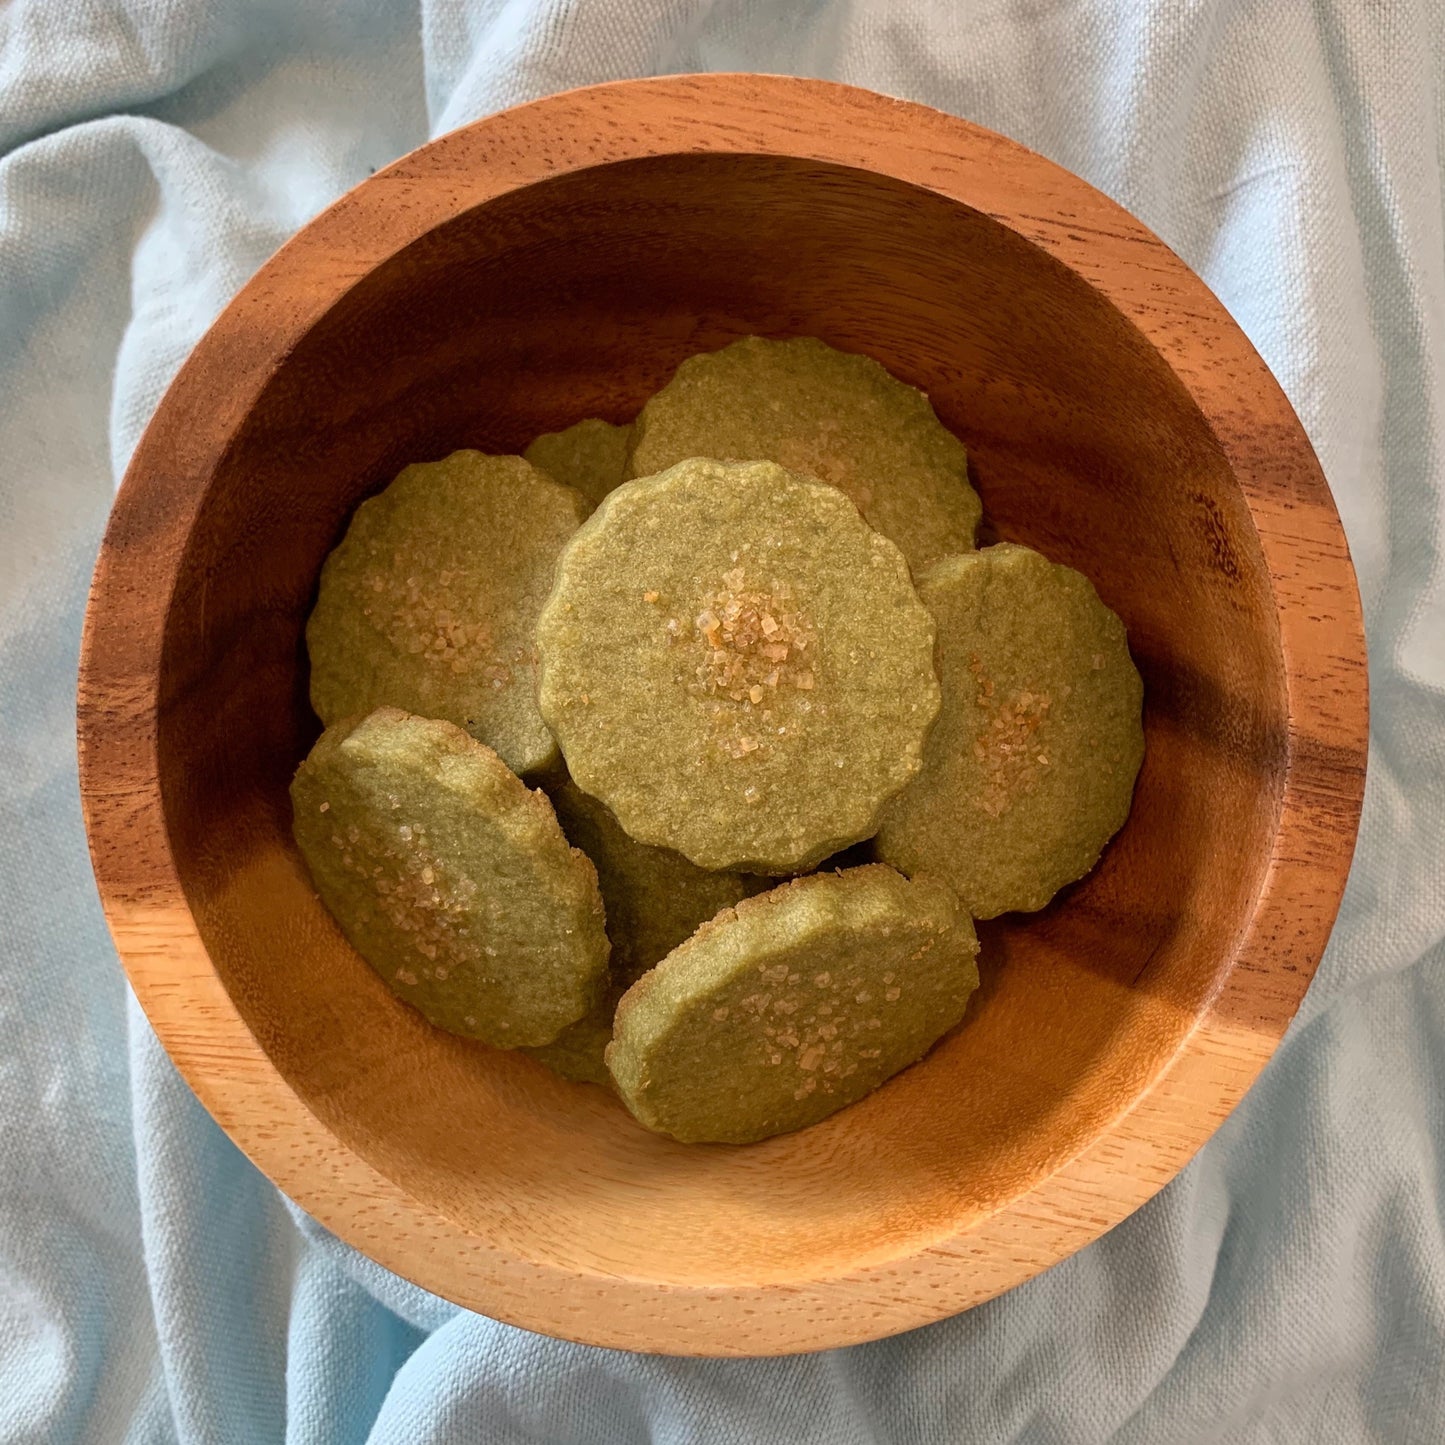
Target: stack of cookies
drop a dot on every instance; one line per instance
(789, 732)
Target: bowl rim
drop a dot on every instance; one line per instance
(1321, 638)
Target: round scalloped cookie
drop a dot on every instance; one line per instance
(451, 878)
(833, 414)
(590, 456)
(737, 665)
(430, 601)
(1030, 769)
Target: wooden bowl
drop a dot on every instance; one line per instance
(557, 261)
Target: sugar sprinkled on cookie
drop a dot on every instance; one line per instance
(430, 601)
(1031, 768)
(737, 665)
(792, 1005)
(451, 878)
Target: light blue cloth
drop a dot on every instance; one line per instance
(1290, 1286)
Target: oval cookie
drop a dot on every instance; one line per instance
(792, 1005)
(451, 878)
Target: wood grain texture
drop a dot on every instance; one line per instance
(556, 261)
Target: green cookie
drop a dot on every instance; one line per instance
(1031, 768)
(589, 456)
(431, 599)
(451, 878)
(831, 414)
(655, 899)
(793, 1005)
(737, 665)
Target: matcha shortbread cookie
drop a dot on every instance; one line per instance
(832, 414)
(737, 665)
(451, 878)
(430, 601)
(590, 456)
(792, 1005)
(1031, 768)
(654, 899)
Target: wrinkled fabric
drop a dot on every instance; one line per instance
(1288, 1286)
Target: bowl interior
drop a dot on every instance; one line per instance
(577, 297)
